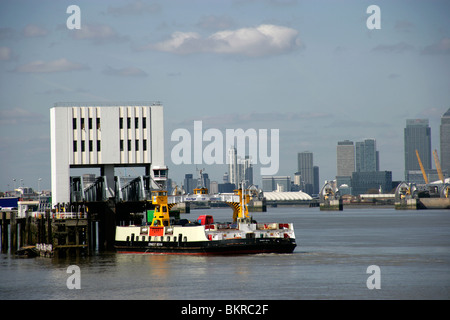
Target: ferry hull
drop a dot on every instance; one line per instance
(224, 247)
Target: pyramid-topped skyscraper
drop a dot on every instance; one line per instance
(445, 142)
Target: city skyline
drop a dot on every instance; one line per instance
(313, 70)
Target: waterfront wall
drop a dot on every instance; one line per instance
(76, 235)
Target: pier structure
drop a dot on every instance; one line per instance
(329, 197)
(106, 137)
(47, 233)
(410, 196)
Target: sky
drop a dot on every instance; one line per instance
(311, 69)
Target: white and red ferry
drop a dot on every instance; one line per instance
(204, 236)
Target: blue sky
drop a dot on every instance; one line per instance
(311, 69)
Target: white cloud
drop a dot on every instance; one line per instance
(180, 42)
(259, 41)
(263, 40)
(59, 65)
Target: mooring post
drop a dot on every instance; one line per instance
(27, 236)
(94, 235)
(41, 230)
(21, 232)
(13, 231)
(4, 233)
(49, 227)
(39, 233)
(88, 233)
(110, 231)
(77, 239)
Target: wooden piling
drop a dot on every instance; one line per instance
(66, 236)
(4, 233)
(28, 236)
(48, 216)
(88, 234)
(40, 234)
(94, 235)
(13, 231)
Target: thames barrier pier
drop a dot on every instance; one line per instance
(329, 198)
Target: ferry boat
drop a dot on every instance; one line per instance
(204, 236)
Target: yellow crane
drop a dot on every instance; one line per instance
(421, 167)
(438, 165)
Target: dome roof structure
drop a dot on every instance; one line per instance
(287, 196)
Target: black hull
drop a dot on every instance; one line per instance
(223, 247)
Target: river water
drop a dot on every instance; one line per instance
(334, 251)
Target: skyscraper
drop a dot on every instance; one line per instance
(366, 156)
(417, 135)
(345, 152)
(306, 168)
(226, 178)
(240, 169)
(445, 142)
(345, 160)
(232, 165)
(189, 183)
(246, 169)
(316, 180)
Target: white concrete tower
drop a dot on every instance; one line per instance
(104, 136)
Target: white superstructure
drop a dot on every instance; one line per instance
(103, 136)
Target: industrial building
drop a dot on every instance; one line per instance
(105, 136)
(362, 182)
(276, 183)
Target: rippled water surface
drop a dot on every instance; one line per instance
(411, 248)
